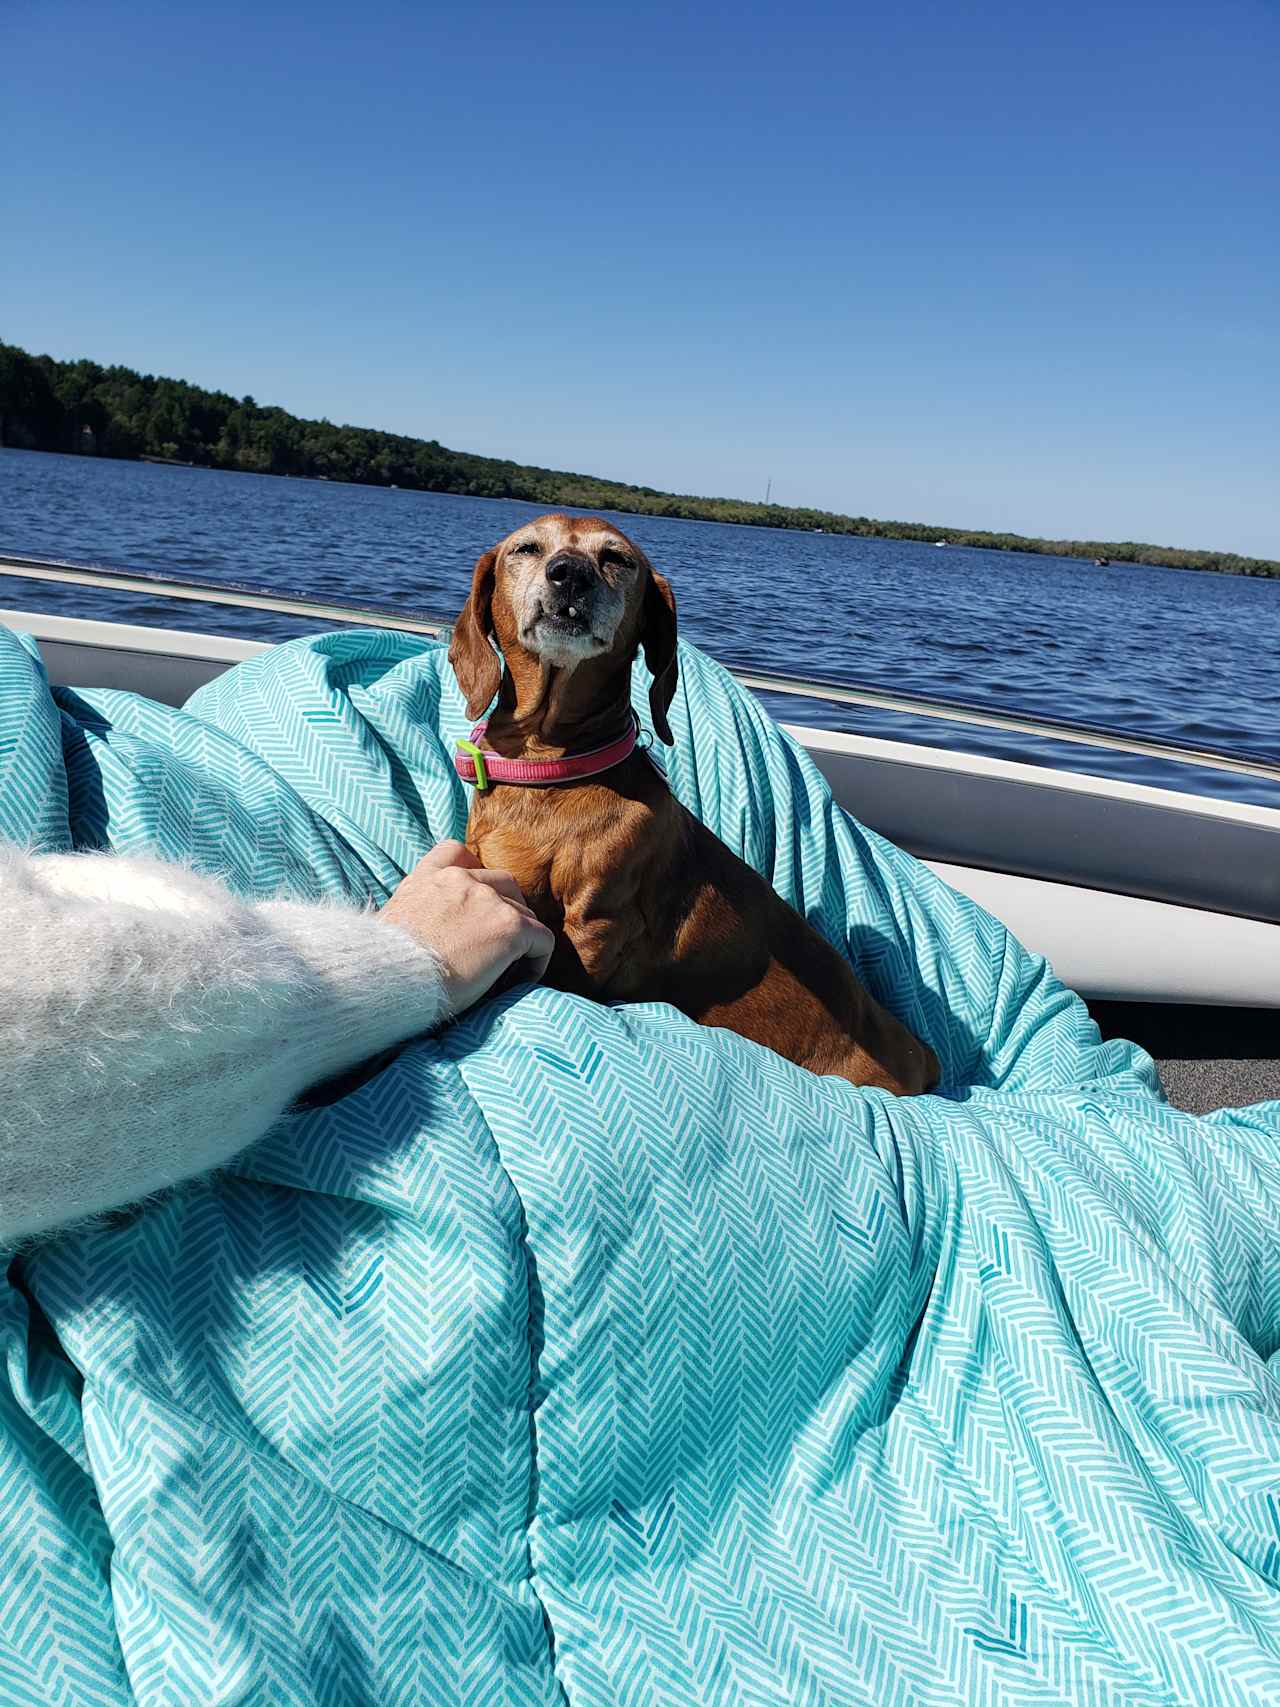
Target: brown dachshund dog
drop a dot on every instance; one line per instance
(646, 903)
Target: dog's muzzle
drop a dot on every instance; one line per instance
(570, 581)
(571, 584)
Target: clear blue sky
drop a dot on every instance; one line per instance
(1010, 265)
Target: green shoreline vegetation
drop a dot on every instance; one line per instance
(83, 408)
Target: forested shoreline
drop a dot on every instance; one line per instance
(86, 409)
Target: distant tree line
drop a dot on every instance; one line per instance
(89, 410)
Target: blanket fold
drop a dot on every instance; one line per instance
(587, 1355)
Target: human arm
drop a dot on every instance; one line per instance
(152, 1025)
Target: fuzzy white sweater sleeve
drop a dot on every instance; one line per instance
(152, 1025)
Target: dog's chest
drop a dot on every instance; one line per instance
(543, 840)
(517, 847)
(567, 849)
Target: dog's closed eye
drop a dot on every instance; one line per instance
(527, 548)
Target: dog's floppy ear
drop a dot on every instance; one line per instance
(658, 637)
(475, 663)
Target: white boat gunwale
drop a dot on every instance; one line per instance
(153, 584)
(1134, 893)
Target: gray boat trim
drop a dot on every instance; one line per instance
(1064, 859)
(1055, 853)
(196, 590)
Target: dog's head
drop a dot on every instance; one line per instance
(567, 592)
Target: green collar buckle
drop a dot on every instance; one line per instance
(477, 759)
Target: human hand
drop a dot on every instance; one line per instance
(474, 921)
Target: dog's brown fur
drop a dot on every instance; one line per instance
(646, 903)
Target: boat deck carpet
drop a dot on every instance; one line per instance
(1207, 1057)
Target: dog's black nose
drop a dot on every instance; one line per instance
(570, 572)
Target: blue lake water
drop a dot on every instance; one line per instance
(1162, 653)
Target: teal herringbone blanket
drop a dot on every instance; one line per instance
(585, 1355)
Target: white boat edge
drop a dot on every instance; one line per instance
(1133, 893)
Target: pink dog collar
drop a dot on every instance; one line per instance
(483, 769)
